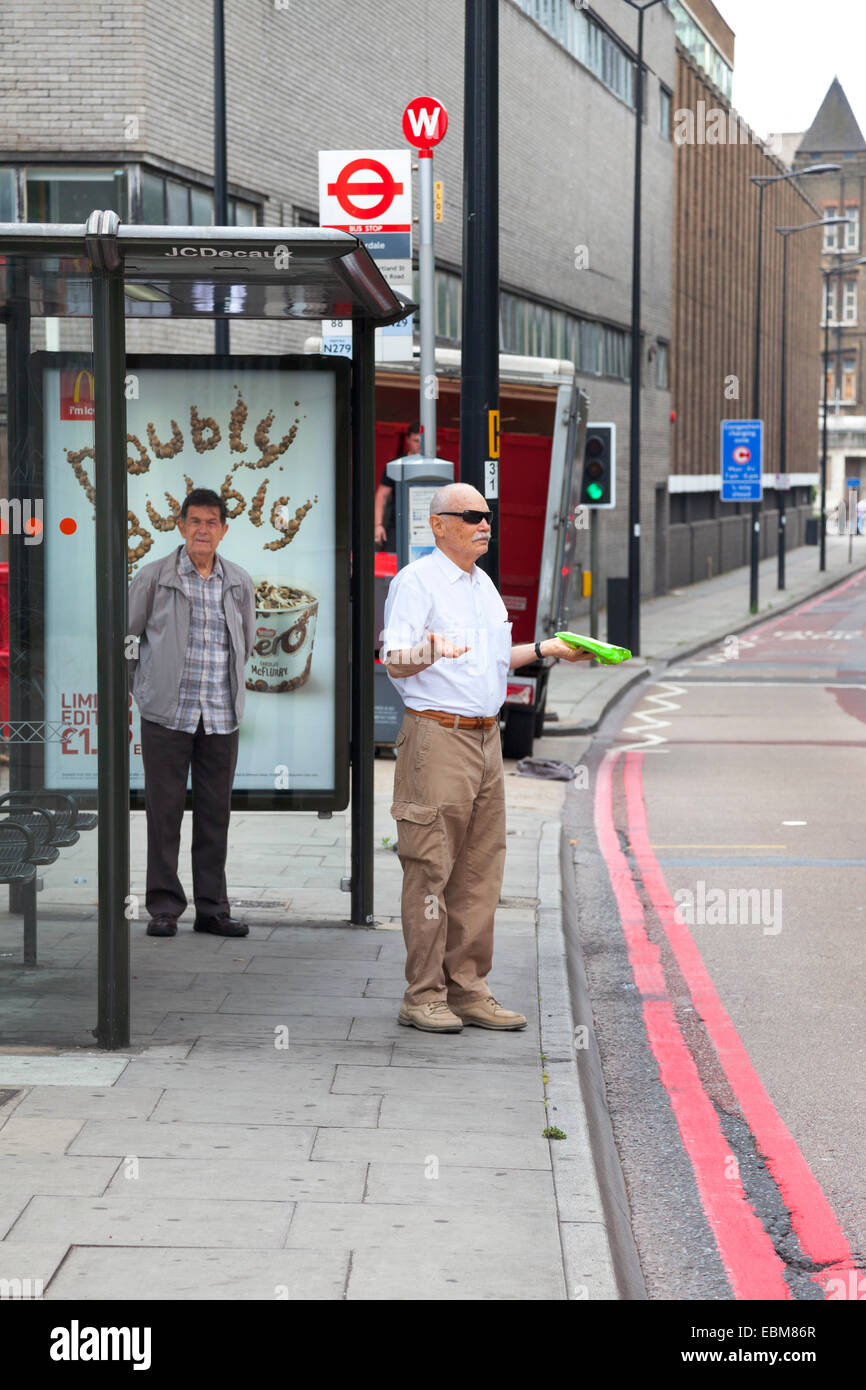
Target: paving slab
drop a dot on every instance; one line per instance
(435, 1183)
(207, 1144)
(416, 1146)
(100, 1070)
(32, 1262)
(29, 1174)
(20, 1135)
(233, 1276)
(63, 1102)
(260, 1179)
(461, 1231)
(461, 1274)
(275, 1072)
(492, 1083)
(302, 1027)
(141, 1218)
(527, 1118)
(309, 1108)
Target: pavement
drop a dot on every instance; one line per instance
(272, 1133)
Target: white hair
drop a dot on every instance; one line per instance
(444, 496)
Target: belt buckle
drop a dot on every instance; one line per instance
(456, 724)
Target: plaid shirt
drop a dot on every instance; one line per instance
(205, 688)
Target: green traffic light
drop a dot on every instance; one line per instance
(594, 491)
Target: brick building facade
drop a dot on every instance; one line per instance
(715, 254)
(835, 138)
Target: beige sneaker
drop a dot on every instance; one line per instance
(432, 1017)
(486, 1013)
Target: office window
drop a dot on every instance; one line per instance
(852, 231)
(584, 38)
(8, 196)
(849, 380)
(830, 233)
(304, 217)
(662, 366)
(70, 195)
(242, 214)
(829, 314)
(152, 199)
(176, 204)
(664, 112)
(705, 53)
(849, 303)
(201, 207)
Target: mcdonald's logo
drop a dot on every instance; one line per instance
(88, 377)
(76, 393)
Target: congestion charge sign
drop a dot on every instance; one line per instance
(742, 460)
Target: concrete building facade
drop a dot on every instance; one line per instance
(107, 106)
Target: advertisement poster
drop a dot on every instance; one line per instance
(269, 435)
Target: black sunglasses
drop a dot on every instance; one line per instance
(472, 518)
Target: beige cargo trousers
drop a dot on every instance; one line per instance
(449, 805)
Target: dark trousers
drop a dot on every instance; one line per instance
(167, 754)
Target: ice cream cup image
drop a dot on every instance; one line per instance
(285, 631)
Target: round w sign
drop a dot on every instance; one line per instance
(425, 121)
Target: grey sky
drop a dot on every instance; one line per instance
(788, 52)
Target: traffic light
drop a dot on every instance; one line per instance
(598, 485)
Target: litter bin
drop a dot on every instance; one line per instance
(812, 524)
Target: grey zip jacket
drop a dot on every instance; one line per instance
(159, 614)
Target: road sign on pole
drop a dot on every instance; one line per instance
(742, 460)
(425, 121)
(369, 193)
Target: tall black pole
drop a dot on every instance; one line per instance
(756, 406)
(363, 618)
(783, 415)
(822, 525)
(479, 357)
(220, 173)
(636, 364)
(109, 442)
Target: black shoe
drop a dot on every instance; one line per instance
(162, 926)
(221, 926)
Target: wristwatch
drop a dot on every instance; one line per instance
(538, 651)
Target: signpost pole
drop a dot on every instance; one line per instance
(220, 173)
(427, 302)
(479, 356)
(593, 572)
(363, 618)
(112, 696)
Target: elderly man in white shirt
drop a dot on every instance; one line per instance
(447, 648)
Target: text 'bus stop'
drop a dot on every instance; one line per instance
(96, 441)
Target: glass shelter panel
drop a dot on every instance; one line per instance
(50, 734)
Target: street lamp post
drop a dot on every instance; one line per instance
(784, 233)
(634, 443)
(761, 181)
(841, 269)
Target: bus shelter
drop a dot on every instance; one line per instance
(101, 445)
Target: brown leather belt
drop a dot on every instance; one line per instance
(458, 721)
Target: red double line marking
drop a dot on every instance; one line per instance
(750, 1260)
(812, 1217)
(751, 1263)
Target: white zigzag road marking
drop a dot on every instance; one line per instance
(650, 721)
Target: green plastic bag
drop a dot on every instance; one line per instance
(602, 651)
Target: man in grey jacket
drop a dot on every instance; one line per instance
(194, 613)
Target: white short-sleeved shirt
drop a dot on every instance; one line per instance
(435, 595)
